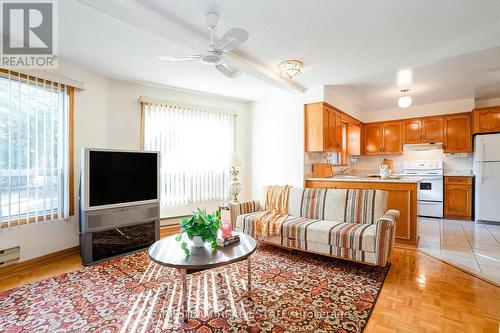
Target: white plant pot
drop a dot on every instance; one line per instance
(198, 241)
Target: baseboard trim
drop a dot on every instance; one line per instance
(20, 267)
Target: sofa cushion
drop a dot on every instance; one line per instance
(364, 206)
(298, 231)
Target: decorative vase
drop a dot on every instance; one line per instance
(198, 241)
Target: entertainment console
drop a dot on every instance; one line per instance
(119, 202)
(111, 232)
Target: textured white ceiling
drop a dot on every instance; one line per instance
(474, 75)
(342, 42)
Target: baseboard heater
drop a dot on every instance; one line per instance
(108, 233)
(9, 256)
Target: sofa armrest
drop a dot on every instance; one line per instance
(240, 208)
(386, 227)
(389, 218)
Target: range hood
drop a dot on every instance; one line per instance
(422, 146)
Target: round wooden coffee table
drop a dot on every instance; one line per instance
(167, 252)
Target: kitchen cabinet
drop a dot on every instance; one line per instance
(373, 139)
(323, 128)
(335, 129)
(391, 133)
(432, 130)
(457, 133)
(353, 140)
(412, 131)
(458, 197)
(382, 138)
(423, 130)
(487, 120)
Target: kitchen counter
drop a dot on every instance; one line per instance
(369, 179)
(458, 174)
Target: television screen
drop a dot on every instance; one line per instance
(121, 177)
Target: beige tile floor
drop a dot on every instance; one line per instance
(475, 247)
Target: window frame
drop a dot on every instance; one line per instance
(71, 142)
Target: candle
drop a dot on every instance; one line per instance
(226, 230)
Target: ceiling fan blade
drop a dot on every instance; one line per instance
(232, 39)
(185, 58)
(228, 70)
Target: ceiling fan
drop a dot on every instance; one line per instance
(231, 40)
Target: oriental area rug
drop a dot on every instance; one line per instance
(291, 292)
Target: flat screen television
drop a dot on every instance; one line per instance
(118, 178)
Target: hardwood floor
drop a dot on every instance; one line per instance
(420, 294)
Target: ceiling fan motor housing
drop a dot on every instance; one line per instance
(212, 57)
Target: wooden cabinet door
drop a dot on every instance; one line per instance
(487, 120)
(338, 131)
(316, 128)
(353, 140)
(432, 129)
(334, 131)
(457, 201)
(392, 138)
(412, 131)
(373, 139)
(457, 134)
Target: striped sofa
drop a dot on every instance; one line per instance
(349, 224)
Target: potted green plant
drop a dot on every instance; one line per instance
(200, 227)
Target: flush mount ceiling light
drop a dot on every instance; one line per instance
(404, 101)
(405, 77)
(291, 68)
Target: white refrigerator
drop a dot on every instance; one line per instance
(487, 171)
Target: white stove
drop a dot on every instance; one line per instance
(430, 193)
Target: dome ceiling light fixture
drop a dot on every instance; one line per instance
(291, 68)
(404, 101)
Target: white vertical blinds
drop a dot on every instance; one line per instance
(34, 149)
(195, 145)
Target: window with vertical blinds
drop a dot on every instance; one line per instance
(195, 145)
(34, 150)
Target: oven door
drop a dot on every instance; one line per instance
(431, 189)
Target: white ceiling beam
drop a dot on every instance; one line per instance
(137, 15)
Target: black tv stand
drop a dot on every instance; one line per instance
(107, 233)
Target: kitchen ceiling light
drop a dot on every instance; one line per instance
(291, 68)
(405, 77)
(404, 101)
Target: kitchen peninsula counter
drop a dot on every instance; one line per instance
(402, 195)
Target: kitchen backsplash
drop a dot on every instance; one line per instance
(370, 164)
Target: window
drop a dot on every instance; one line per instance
(35, 148)
(195, 145)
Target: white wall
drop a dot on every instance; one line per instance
(482, 103)
(277, 125)
(450, 164)
(90, 130)
(462, 105)
(123, 130)
(107, 115)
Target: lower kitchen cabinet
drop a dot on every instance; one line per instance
(458, 197)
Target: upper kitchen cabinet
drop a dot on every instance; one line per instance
(323, 128)
(383, 138)
(457, 133)
(412, 131)
(432, 129)
(391, 132)
(373, 140)
(353, 139)
(487, 120)
(423, 130)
